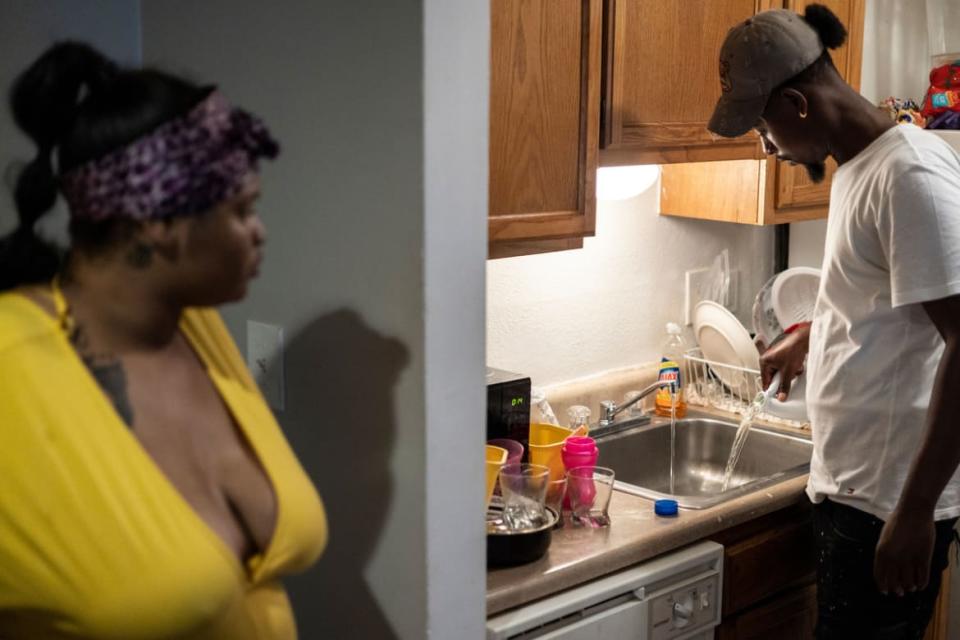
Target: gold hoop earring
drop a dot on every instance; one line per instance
(803, 114)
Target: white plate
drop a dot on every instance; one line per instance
(765, 323)
(794, 295)
(724, 340)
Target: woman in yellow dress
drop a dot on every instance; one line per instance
(146, 490)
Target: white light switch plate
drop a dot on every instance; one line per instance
(691, 296)
(265, 360)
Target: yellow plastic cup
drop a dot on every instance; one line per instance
(546, 440)
(496, 456)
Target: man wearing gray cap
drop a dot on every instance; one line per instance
(882, 354)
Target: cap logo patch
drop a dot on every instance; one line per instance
(725, 76)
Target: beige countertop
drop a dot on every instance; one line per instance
(636, 534)
(577, 555)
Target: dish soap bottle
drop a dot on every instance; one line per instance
(670, 371)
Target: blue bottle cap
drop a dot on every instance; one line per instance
(665, 507)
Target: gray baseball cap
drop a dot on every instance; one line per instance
(760, 54)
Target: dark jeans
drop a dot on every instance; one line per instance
(849, 605)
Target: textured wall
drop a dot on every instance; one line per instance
(566, 315)
(355, 91)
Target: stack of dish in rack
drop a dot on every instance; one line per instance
(784, 300)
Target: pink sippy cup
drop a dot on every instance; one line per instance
(580, 444)
(579, 451)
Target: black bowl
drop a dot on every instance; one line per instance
(512, 548)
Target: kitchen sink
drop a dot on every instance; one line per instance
(640, 457)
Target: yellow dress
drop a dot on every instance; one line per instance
(95, 542)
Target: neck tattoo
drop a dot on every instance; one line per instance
(106, 368)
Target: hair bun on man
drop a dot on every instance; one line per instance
(827, 25)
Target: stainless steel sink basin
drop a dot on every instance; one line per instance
(640, 457)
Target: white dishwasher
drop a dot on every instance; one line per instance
(673, 597)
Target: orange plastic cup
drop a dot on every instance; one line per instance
(496, 457)
(546, 440)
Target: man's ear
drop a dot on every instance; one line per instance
(164, 237)
(798, 100)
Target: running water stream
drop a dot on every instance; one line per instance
(739, 440)
(749, 414)
(673, 433)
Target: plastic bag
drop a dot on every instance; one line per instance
(540, 410)
(716, 285)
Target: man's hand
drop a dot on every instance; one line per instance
(904, 552)
(787, 356)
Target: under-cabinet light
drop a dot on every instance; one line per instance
(620, 183)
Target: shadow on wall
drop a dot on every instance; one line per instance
(340, 421)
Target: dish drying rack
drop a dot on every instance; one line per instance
(725, 387)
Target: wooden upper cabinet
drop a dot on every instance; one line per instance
(793, 196)
(661, 81)
(650, 68)
(544, 122)
(766, 191)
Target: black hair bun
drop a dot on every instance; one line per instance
(44, 98)
(827, 25)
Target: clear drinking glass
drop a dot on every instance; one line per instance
(556, 490)
(578, 416)
(590, 489)
(524, 489)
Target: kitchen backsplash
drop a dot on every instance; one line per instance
(566, 315)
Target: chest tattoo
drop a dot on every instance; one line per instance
(108, 371)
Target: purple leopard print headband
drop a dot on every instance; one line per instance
(184, 166)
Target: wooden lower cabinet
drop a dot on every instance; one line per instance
(769, 577)
(941, 612)
(769, 580)
(793, 616)
(789, 616)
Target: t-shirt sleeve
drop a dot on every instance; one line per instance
(920, 233)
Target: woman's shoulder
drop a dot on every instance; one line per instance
(208, 334)
(207, 331)
(25, 313)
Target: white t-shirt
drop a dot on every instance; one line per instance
(893, 242)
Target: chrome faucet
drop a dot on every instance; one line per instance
(609, 409)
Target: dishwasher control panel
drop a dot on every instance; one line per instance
(675, 613)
